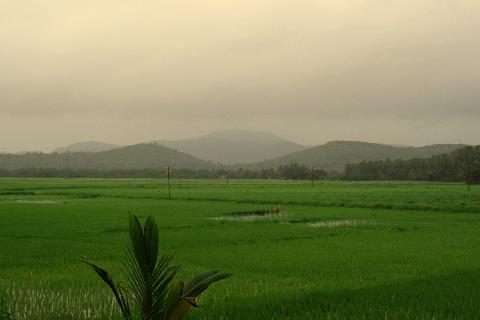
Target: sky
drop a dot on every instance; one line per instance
(387, 71)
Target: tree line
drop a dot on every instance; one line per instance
(460, 165)
(293, 171)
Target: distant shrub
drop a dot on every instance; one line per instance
(89, 195)
(275, 210)
(17, 193)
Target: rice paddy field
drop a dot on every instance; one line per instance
(336, 250)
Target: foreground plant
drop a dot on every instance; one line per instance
(152, 287)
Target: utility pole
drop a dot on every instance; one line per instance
(67, 163)
(313, 177)
(168, 182)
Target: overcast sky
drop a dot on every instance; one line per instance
(389, 71)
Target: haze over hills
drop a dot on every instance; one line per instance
(139, 156)
(334, 155)
(235, 146)
(87, 146)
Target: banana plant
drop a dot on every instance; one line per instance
(152, 291)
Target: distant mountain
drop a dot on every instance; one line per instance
(235, 146)
(334, 155)
(87, 146)
(140, 156)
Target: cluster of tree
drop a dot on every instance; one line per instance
(295, 171)
(290, 172)
(460, 165)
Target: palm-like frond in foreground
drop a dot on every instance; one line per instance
(152, 287)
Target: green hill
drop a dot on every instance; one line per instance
(334, 155)
(140, 156)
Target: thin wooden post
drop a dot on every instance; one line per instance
(312, 176)
(67, 163)
(168, 182)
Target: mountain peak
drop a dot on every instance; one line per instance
(235, 146)
(245, 136)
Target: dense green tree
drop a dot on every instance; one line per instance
(468, 159)
(460, 165)
(294, 171)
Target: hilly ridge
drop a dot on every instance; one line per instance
(334, 155)
(230, 149)
(139, 156)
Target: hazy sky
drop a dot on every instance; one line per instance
(391, 71)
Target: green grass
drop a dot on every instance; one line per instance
(415, 256)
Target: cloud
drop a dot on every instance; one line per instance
(207, 62)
